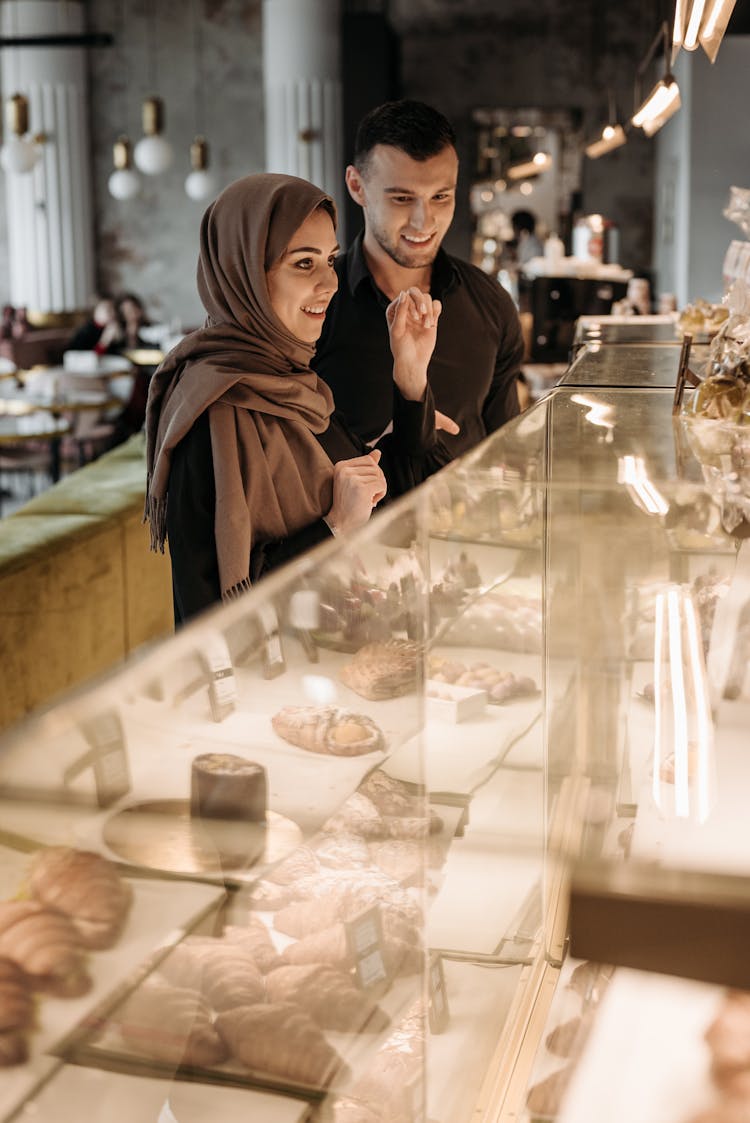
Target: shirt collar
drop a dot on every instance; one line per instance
(444, 274)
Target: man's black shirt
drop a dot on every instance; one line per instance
(472, 372)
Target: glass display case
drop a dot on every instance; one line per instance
(329, 828)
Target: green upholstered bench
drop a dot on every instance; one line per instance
(79, 588)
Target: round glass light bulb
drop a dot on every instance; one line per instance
(124, 184)
(152, 154)
(18, 155)
(200, 185)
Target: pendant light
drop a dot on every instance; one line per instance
(200, 184)
(124, 183)
(153, 154)
(20, 152)
(664, 98)
(700, 23)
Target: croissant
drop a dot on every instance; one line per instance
(328, 996)
(328, 729)
(170, 1024)
(342, 851)
(302, 918)
(224, 973)
(16, 1013)
(256, 939)
(331, 947)
(87, 888)
(358, 815)
(46, 946)
(279, 1040)
(397, 1065)
(302, 862)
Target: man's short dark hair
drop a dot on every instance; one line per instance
(417, 129)
(523, 220)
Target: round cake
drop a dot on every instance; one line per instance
(228, 797)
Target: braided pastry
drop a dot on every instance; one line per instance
(328, 729)
(328, 996)
(87, 888)
(170, 1024)
(279, 1040)
(46, 946)
(384, 670)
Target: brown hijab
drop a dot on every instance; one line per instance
(264, 403)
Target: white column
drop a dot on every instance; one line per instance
(302, 91)
(50, 223)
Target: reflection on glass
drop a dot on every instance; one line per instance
(631, 471)
(683, 779)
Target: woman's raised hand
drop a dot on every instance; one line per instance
(358, 486)
(412, 320)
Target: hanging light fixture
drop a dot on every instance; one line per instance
(153, 154)
(664, 99)
(700, 23)
(200, 183)
(612, 135)
(123, 183)
(541, 162)
(20, 152)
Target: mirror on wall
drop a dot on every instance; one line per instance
(526, 160)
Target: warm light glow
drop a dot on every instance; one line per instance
(703, 711)
(658, 645)
(700, 22)
(631, 471)
(526, 188)
(659, 106)
(613, 136)
(541, 162)
(598, 414)
(690, 42)
(679, 710)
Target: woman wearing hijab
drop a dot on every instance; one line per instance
(248, 464)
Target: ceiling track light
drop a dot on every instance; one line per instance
(664, 98)
(612, 135)
(700, 23)
(541, 162)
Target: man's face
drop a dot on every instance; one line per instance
(408, 204)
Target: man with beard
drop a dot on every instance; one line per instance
(404, 177)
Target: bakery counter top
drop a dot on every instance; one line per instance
(641, 365)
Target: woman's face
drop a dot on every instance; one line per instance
(303, 281)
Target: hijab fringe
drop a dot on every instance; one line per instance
(237, 590)
(155, 514)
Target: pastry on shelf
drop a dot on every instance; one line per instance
(223, 972)
(342, 851)
(501, 686)
(728, 1037)
(329, 997)
(255, 938)
(384, 670)
(87, 888)
(170, 1024)
(46, 946)
(403, 860)
(267, 896)
(330, 946)
(16, 1014)
(328, 729)
(563, 1038)
(545, 1097)
(357, 815)
(389, 1084)
(329, 899)
(396, 802)
(302, 862)
(278, 1039)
